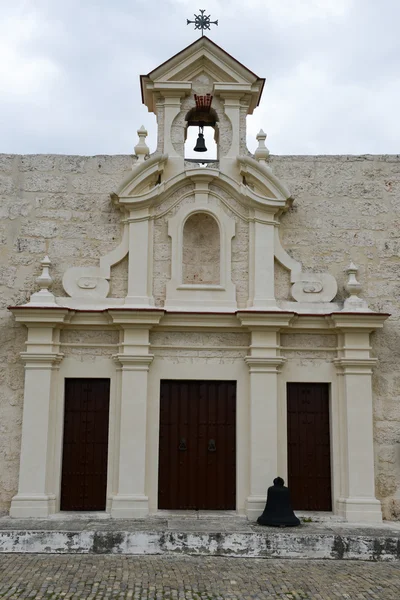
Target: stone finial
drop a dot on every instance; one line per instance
(141, 149)
(262, 152)
(44, 296)
(353, 303)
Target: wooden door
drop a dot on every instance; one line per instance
(85, 445)
(197, 451)
(309, 452)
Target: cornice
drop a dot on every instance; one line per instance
(264, 319)
(39, 315)
(130, 317)
(40, 360)
(355, 366)
(131, 362)
(263, 173)
(261, 364)
(367, 321)
(161, 192)
(195, 320)
(139, 174)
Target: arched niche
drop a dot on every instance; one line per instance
(201, 258)
(201, 250)
(217, 127)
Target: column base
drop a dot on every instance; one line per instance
(255, 507)
(129, 507)
(31, 505)
(360, 510)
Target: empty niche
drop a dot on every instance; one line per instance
(201, 250)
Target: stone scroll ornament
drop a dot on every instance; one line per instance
(306, 287)
(93, 282)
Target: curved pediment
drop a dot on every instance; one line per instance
(143, 187)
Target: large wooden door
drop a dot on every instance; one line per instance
(197, 452)
(85, 446)
(309, 452)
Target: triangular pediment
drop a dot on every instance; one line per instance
(203, 56)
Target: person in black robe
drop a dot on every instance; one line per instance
(278, 510)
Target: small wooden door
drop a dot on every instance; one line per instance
(197, 452)
(85, 446)
(309, 452)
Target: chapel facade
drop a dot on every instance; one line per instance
(197, 381)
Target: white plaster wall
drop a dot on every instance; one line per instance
(346, 208)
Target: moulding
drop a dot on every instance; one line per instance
(39, 315)
(221, 296)
(132, 317)
(271, 320)
(262, 364)
(210, 57)
(362, 321)
(32, 505)
(360, 510)
(126, 506)
(181, 320)
(132, 362)
(40, 361)
(355, 366)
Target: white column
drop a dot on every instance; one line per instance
(36, 496)
(131, 501)
(140, 273)
(264, 363)
(357, 502)
(263, 276)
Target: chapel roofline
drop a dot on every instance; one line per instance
(200, 42)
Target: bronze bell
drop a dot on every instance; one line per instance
(278, 511)
(200, 144)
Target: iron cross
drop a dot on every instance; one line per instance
(202, 21)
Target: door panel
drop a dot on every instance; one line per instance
(85, 444)
(197, 452)
(309, 452)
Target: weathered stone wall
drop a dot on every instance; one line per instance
(58, 205)
(346, 208)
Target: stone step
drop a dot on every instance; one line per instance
(202, 538)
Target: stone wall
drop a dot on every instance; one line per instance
(346, 208)
(201, 250)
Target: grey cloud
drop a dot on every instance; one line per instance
(330, 79)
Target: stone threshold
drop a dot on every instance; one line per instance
(229, 537)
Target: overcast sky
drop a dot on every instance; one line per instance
(69, 71)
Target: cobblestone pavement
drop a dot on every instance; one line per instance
(52, 577)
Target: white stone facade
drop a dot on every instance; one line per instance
(135, 313)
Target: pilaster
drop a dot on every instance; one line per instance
(131, 500)
(357, 501)
(262, 267)
(140, 273)
(36, 494)
(264, 362)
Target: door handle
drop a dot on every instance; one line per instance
(182, 445)
(212, 446)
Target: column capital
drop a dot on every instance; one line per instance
(131, 362)
(263, 364)
(49, 360)
(263, 320)
(129, 318)
(355, 366)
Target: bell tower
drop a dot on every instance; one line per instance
(204, 86)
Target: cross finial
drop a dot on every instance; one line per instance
(202, 21)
